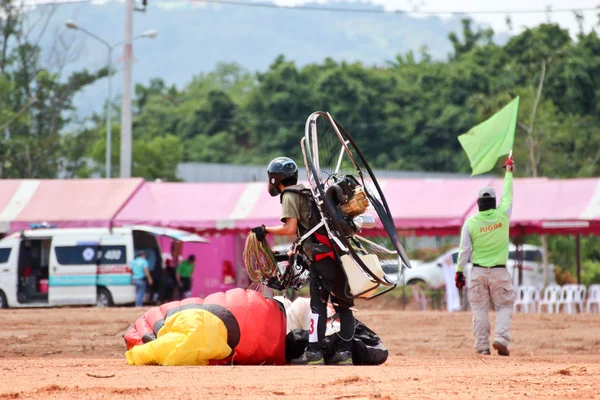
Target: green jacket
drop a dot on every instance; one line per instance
(485, 236)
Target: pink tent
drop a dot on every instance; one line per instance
(69, 203)
(10, 203)
(415, 205)
(264, 209)
(207, 207)
(431, 206)
(555, 207)
(419, 207)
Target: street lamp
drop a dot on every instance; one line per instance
(149, 34)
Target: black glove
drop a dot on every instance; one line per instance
(279, 256)
(261, 233)
(460, 281)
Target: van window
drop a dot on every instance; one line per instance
(533, 256)
(76, 255)
(454, 258)
(529, 255)
(112, 255)
(4, 254)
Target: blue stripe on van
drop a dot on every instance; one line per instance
(72, 280)
(91, 280)
(114, 279)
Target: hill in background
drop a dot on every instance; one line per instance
(193, 39)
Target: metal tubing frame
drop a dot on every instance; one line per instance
(310, 122)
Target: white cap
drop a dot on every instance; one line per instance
(487, 192)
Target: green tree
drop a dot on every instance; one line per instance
(36, 101)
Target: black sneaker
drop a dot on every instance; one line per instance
(484, 351)
(502, 349)
(309, 358)
(340, 358)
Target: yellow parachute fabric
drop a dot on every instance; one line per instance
(189, 337)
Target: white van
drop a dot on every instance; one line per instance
(53, 267)
(432, 273)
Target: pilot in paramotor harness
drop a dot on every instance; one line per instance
(328, 216)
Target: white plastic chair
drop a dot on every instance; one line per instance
(593, 298)
(525, 298)
(569, 299)
(550, 299)
(537, 296)
(580, 294)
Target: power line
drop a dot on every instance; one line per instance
(354, 10)
(54, 3)
(380, 11)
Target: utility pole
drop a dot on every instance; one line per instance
(126, 113)
(109, 116)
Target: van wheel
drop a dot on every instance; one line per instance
(104, 298)
(3, 302)
(416, 281)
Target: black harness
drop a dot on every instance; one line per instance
(314, 216)
(318, 242)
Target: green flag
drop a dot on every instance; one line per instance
(491, 139)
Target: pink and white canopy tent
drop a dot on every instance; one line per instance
(431, 206)
(200, 207)
(230, 210)
(555, 207)
(66, 203)
(9, 207)
(419, 206)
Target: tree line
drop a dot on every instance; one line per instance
(404, 115)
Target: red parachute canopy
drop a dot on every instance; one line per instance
(256, 326)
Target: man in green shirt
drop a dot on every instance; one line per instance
(183, 274)
(484, 241)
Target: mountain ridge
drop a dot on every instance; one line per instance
(193, 39)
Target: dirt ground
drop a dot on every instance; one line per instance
(67, 353)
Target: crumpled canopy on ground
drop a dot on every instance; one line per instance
(235, 327)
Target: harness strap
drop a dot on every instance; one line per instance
(323, 239)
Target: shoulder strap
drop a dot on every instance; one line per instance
(300, 189)
(314, 217)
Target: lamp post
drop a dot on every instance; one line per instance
(150, 34)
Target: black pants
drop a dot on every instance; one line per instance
(328, 280)
(157, 284)
(167, 292)
(186, 285)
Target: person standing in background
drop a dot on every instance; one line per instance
(452, 295)
(184, 274)
(139, 274)
(156, 288)
(485, 242)
(168, 282)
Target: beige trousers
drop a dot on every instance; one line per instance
(497, 283)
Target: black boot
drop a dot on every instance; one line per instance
(343, 354)
(340, 358)
(313, 355)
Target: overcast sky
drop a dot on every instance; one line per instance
(496, 21)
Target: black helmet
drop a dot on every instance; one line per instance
(281, 169)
